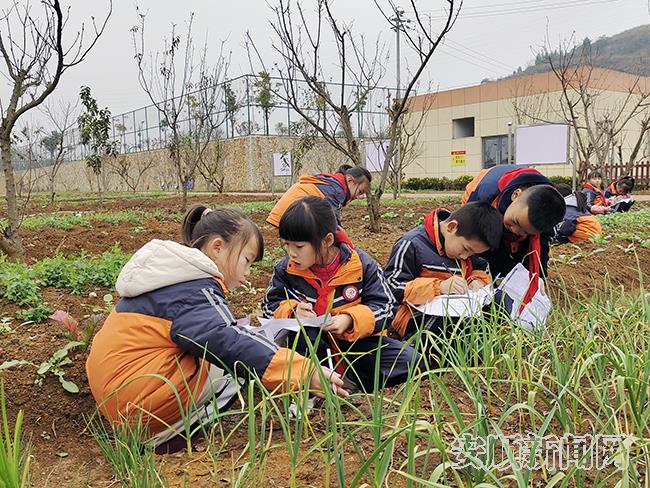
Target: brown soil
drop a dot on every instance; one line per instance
(64, 454)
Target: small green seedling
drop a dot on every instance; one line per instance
(5, 326)
(54, 364)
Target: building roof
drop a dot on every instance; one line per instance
(597, 78)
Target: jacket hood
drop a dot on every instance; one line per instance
(162, 263)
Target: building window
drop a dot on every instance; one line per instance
(463, 127)
(495, 150)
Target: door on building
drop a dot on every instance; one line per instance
(495, 150)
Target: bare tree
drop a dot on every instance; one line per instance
(35, 58)
(412, 124)
(61, 119)
(211, 167)
(186, 94)
(29, 158)
(597, 124)
(359, 71)
(131, 168)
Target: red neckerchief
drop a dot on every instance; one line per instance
(432, 226)
(612, 188)
(340, 178)
(534, 261)
(600, 199)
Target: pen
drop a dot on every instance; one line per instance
(330, 365)
(289, 292)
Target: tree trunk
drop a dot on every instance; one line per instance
(99, 184)
(184, 200)
(11, 241)
(52, 194)
(374, 211)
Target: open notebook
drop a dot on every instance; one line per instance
(469, 304)
(277, 329)
(515, 285)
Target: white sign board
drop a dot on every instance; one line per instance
(542, 144)
(375, 155)
(282, 164)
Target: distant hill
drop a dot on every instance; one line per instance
(627, 51)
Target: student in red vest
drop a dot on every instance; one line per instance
(596, 200)
(337, 189)
(531, 208)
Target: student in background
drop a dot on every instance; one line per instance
(592, 189)
(578, 224)
(337, 189)
(619, 194)
(171, 349)
(439, 257)
(323, 267)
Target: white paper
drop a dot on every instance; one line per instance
(534, 314)
(282, 164)
(277, 329)
(469, 304)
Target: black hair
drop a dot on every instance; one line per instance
(627, 182)
(546, 207)
(564, 189)
(309, 219)
(594, 174)
(479, 220)
(356, 172)
(581, 199)
(200, 223)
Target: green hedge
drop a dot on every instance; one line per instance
(443, 183)
(459, 183)
(561, 179)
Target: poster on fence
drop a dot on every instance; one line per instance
(282, 164)
(375, 155)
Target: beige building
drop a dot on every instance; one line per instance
(466, 129)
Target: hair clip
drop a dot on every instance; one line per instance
(206, 212)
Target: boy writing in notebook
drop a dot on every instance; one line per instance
(438, 257)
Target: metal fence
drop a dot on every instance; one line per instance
(145, 129)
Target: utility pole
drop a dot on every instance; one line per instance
(398, 26)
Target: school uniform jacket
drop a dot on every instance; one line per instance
(358, 289)
(173, 321)
(495, 185)
(577, 226)
(610, 191)
(331, 187)
(595, 196)
(418, 265)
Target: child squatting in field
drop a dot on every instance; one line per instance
(324, 269)
(171, 347)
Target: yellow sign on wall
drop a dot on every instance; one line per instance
(458, 158)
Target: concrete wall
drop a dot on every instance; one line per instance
(248, 166)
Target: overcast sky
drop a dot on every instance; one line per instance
(491, 37)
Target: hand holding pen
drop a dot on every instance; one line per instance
(303, 310)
